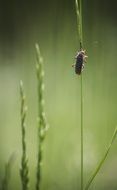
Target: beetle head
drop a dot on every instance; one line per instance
(83, 52)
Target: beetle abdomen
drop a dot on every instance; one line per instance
(79, 64)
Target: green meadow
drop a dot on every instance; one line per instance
(53, 25)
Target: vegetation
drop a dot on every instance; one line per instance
(42, 124)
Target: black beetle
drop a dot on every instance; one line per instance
(80, 59)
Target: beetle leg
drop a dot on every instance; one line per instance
(84, 59)
(82, 66)
(86, 56)
(73, 65)
(77, 55)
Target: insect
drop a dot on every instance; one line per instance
(80, 60)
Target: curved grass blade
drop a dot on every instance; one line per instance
(102, 161)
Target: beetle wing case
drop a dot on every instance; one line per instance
(79, 64)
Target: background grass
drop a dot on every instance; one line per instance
(54, 25)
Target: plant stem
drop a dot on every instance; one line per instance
(78, 5)
(24, 171)
(42, 124)
(82, 169)
(102, 161)
(7, 175)
(81, 30)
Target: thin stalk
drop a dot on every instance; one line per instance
(81, 29)
(78, 5)
(24, 171)
(82, 148)
(102, 161)
(7, 175)
(42, 124)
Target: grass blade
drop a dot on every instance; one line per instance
(102, 161)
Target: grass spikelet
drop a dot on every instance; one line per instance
(102, 161)
(42, 123)
(24, 171)
(7, 175)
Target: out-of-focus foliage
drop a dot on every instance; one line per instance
(53, 25)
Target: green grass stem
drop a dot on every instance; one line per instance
(82, 136)
(78, 5)
(7, 175)
(24, 171)
(42, 123)
(102, 161)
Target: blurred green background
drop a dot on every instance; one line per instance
(53, 25)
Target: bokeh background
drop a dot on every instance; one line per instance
(53, 25)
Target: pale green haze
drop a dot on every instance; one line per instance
(53, 25)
